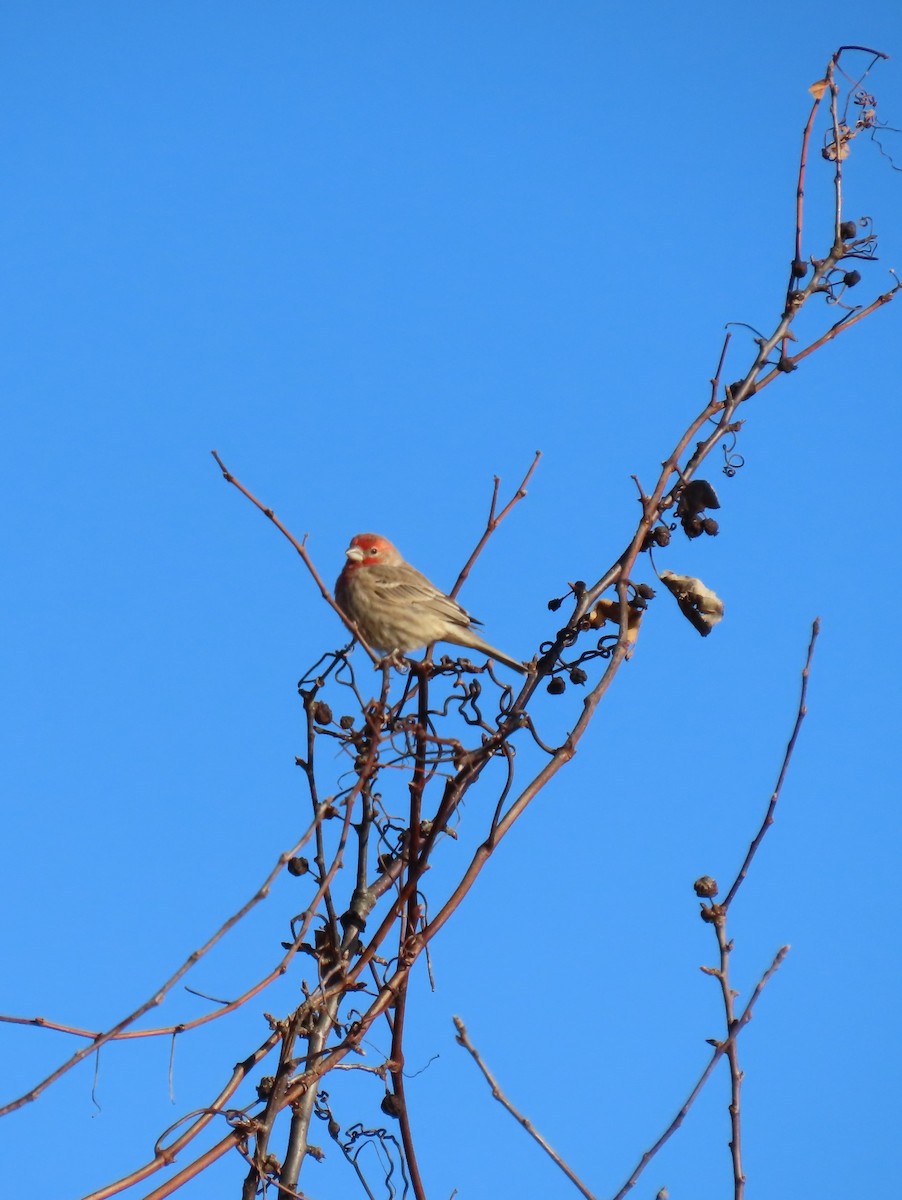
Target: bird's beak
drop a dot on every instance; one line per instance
(355, 554)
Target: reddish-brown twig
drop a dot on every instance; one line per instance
(158, 996)
(300, 547)
(775, 795)
(463, 1039)
(833, 332)
(720, 1050)
(494, 521)
(165, 1156)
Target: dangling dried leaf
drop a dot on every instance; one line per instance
(696, 495)
(698, 603)
(830, 150)
(817, 89)
(609, 610)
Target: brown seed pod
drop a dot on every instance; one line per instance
(692, 527)
(705, 886)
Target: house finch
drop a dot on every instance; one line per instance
(397, 609)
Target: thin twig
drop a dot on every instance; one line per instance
(160, 994)
(463, 1038)
(719, 1052)
(301, 547)
(164, 1156)
(832, 332)
(775, 795)
(494, 521)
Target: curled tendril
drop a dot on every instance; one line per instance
(333, 660)
(732, 462)
(603, 649)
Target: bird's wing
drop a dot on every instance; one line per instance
(409, 586)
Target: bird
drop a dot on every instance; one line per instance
(397, 609)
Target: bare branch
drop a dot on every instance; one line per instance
(494, 521)
(719, 1052)
(160, 994)
(463, 1038)
(775, 796)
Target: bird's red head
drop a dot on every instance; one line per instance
(371, 549)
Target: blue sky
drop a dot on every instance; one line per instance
(376, 255)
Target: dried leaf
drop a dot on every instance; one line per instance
(698, 603)
(696, 496)
(817, 89)
(829, 152)
(845, 136)
(609, 610)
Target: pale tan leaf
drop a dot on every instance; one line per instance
(698, 603)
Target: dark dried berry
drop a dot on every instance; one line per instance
(662, 535)
(578, 675)
(851, 278)
(645, 591)
(734, 390)
(556, 686)
(705, 886)
(346, 722)
(391, 1105)
(298, 866)
(692, 527)
(847, 230)
(710, 527)
(799, 268)
(554, 605)
(322, 713)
